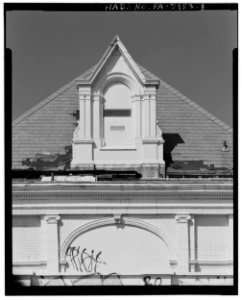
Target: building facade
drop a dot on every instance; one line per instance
(121, 180)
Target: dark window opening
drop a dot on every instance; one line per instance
(117, 113)
(120, 128)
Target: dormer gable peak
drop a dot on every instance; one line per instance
(115, 40)
(117, 44)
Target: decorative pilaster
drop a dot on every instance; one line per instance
(84, 130)
(52, 241)
(152, 105)
(230, 236)
(182, 244)
(43, 238)
(137, 116)
(88, 115)
(149, 113)
(101, 124)
(152, 141)
(85, 113)
(192, 231)
(146, 115)
(82, 143)
(97, 116)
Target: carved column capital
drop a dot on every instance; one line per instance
(52, 219)
(136, 97)
(183, 218)
(96, 97)
(84, 96)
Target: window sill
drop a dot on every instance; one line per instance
(118, 148)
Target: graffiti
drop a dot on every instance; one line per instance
(89, 279)
(57, 280)
(98, 279)
(83, 261)
(152, 281)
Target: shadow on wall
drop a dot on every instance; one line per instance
(171, 141)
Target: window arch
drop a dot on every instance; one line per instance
(110, 89)
(117, 115)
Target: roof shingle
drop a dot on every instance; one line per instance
(190, 132)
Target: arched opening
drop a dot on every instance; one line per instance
(109, 248)
(117, 115)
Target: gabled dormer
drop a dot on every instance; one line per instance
(117, 127)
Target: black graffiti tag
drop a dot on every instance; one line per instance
(150, 281)
(82, 260)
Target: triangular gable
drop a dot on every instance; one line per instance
(117, 44)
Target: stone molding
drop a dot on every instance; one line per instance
(30, 264)
(152, 141)
(85, 97)
(52, 219)
(183, 218)
(67, 199)
(20, 195)
(83, 141)
(212, 262)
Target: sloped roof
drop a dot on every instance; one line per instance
(192, 135)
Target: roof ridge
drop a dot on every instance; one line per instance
(45, 101)
(196, 106)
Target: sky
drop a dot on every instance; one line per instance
(191, 51)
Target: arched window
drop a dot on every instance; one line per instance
(117, 115)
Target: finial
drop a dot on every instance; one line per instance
(115, 40)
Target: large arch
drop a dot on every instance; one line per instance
(126, 222)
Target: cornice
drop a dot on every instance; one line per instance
(124, 206)
(116, 199)
(111, 195)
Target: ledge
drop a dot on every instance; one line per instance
(29, 263)
(82, 141)
(152, 141)
(118, 148)
(212, 262)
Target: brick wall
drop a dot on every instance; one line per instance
(212, 240)
(26, 238)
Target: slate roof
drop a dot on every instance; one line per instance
(193, 137)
